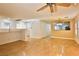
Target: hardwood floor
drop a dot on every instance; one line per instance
(41, 47)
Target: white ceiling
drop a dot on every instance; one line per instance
(28, 10)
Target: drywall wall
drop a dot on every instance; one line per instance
(39, 29)
(35, 30)
(63, 33)
(7, 37)
(45, 28)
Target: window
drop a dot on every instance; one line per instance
(62, 26)
(5, 24)
(20, 25)
(58, 26)
(28, 25)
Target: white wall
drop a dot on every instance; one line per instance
(45, 28)
(7, 37)
(35, 31)
(39, 29)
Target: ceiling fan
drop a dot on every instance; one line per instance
(53, 6)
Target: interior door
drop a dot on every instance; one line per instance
(77, 31)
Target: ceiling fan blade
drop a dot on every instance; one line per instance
(75, 4)
(18, 19)
(55, 7)
(42, 8)
(64, 4)
(51, 8)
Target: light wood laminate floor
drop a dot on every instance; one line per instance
(41, 47)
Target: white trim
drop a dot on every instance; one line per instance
(61, 37)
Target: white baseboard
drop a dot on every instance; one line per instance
(44, 37)
(61, 37)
